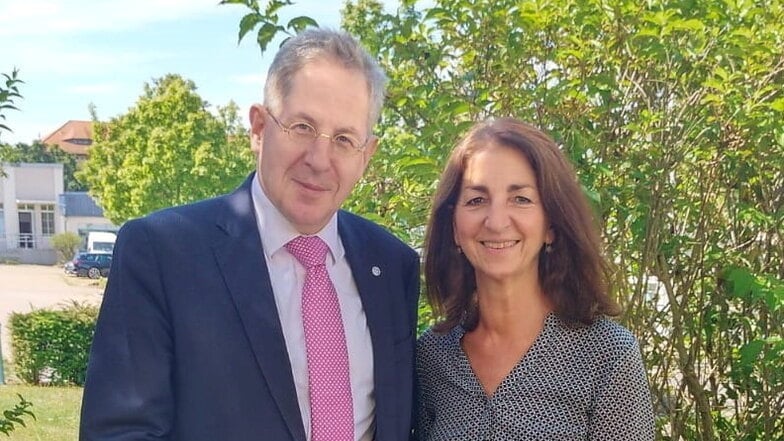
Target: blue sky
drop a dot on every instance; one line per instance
(71, 53)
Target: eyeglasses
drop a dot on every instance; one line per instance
(300, 131)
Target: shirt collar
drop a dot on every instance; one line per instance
(276, 231)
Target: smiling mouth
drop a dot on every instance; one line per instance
(499, 245)
(311, 187)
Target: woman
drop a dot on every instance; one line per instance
(513, 267)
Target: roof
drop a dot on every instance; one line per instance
(79, 204)
(73, 137)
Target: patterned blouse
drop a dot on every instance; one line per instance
(585, 383)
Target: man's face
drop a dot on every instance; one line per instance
(308, 180)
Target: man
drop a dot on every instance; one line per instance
(212, 329)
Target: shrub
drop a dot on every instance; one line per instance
(65, 244)
(12, 418)
(52, 345)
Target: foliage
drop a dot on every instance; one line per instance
(13, 416)
(672, 112)
(38, 152)
(65, 244)
(8, 93)
(268, 21)
(52, 345)
(57, 408)
(166, 150)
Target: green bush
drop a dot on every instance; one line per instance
(14, 417)
(51, 346)
(65, 244)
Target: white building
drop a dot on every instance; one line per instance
(34, 207)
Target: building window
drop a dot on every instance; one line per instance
(47, 220)
(25, 226)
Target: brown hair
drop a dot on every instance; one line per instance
(574, 274)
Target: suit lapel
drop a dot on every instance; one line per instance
(241, 260)
(372, 291)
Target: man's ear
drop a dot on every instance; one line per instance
(370, 149)
(257, 121)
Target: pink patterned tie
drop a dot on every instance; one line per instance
(331, 406)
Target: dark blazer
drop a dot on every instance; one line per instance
(189, 346)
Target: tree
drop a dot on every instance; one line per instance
(166, 150)
(37, 152)
(672, 113)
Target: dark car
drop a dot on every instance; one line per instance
(92, 265)
(70, 267)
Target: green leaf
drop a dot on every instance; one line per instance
(247, 24)
(691, 25)
(274, 6)
(778, 105)
(298, 24)
(266, 33)
(437, 13)
(749, 354)
(742, 281)
(458, 108)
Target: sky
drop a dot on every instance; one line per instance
(71, 53)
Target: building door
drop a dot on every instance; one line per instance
(25, 229)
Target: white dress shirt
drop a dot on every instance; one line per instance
(288, 277)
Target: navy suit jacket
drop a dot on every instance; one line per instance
(189, 346)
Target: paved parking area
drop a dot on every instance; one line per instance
(26, 287)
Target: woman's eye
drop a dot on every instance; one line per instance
(522, 200)
(475, 201)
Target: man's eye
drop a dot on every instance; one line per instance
(346, 141)
(302, 129)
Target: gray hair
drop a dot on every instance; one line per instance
(319, 43)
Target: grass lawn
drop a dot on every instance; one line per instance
(56, 412)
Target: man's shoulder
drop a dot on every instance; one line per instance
(180, 219)
(205, 209)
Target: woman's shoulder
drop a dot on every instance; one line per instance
(603, 337)
(612, 332)
(434, 342)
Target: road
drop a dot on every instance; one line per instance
(27, 287)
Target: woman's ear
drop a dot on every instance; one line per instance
(549, 238)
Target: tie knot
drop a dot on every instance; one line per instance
(310, 251)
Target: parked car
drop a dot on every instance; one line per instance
(70, 266)
(92, 265)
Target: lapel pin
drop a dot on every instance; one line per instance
(376, 271)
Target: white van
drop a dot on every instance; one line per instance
(100, 241)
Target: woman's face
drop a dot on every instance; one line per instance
(499, 220)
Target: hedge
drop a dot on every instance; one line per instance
(52, 346)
